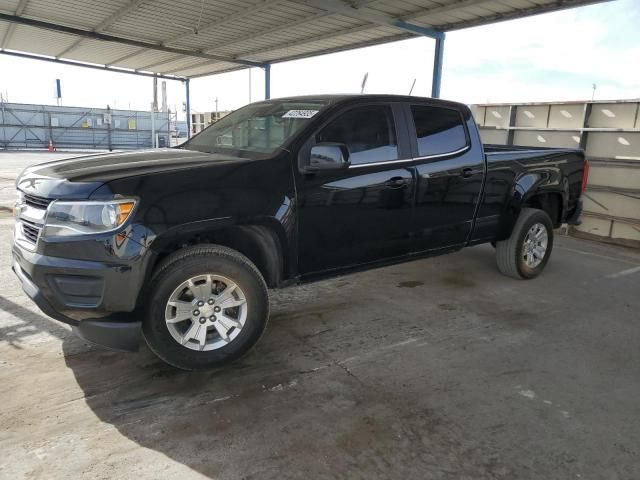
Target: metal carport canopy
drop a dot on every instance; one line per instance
(194, 38)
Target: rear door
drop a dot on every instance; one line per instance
(449, 175)
(363, 213)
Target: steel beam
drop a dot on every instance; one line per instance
(438, 56)
(337, 6)
(267, 81)
(125, 41)
(86, 65)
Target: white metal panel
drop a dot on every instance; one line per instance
(101, 52)
(615, 176)
(618, 145)
(9, 5)
(532, 116)
(612, 204)
(613, 115)
(549, 139)
(478, 114)
(497, 116)
(493, 136)
(77, 13)
(146, 57)
(42, 42)
(567, 116)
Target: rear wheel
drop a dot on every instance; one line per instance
(208, 305)
(526, 252)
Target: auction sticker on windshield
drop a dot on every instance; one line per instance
(300, 114)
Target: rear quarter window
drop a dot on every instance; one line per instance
(438, 130)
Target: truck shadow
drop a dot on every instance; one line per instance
(195, 418)
(291, 408)
(28, 323)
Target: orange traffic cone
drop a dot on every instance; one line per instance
(51, 148)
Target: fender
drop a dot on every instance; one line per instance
(548, 180)
(263, 240)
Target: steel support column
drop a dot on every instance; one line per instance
(267, 81)
(437, 67)
(188, 107)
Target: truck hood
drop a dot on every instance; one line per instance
(79, 177)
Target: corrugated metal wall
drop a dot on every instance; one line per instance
(609, 132)
(32, 126)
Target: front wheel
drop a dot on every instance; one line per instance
(526, 252)
(207, 306)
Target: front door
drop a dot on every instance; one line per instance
(362, 213)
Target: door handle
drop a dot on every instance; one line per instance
(396, 182)
(468, 172)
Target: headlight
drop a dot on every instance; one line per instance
(82, 218)
(19, 203)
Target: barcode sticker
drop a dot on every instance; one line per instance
(300, 114)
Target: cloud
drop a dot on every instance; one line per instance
(555, 56)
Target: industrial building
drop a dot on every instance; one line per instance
(34, 127)
(201, 120)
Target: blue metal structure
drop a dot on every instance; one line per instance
(438, 55)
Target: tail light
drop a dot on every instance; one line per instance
(585, 176)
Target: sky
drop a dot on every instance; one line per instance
(552, 57)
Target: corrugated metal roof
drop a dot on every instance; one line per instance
(198, 37)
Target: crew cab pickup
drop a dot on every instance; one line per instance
(180, 245)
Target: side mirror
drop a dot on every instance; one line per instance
(328, 156)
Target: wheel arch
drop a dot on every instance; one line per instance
(264, 242)
(546, 190)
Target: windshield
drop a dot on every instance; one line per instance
(259, 127)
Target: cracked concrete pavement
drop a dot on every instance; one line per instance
(439, 368)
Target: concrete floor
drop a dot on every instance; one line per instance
(440, 368)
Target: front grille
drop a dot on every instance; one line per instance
(31, 231)
(37, 202)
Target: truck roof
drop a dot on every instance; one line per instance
(343, 97)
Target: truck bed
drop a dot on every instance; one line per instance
(494, 148)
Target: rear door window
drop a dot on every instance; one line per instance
(438, 130)
(368, 132)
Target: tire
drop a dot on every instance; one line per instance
(510, 253)
(213, 267)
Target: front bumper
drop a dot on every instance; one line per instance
(85, 295)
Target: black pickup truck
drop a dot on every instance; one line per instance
(182, 244)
